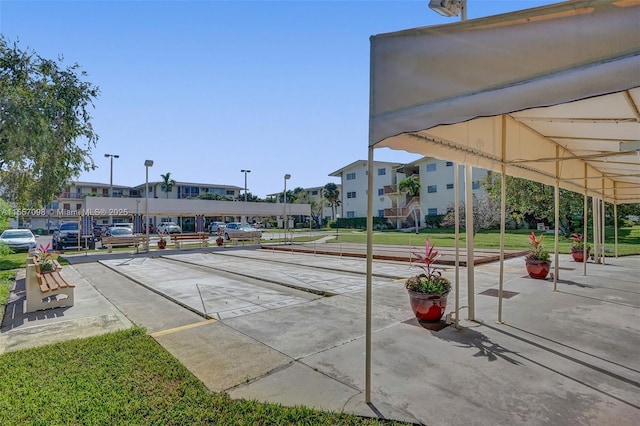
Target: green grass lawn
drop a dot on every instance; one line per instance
(128, 378)
(628, 239)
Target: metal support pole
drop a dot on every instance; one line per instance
(603, 229)
(456, 190)
(284, 197)
(585, 252)
(147, 164)
(468, 216)
(368, 309)
(503, 212)
(615, 229)
(556, 241)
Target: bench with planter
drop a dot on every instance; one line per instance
(200, 237)
(46, 289)
(135, 241)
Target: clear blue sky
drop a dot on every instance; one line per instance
(207, 88)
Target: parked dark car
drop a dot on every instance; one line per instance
(67, 236)
(99, 231)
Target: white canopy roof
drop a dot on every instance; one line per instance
(551, 92)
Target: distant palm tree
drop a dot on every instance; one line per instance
(167, 183)
(331, 193)
(411, 185)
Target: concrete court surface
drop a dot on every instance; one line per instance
(289, 328)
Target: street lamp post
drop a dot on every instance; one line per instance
(112, 156)
(450, 8)
(287, 176)
(337, 227)
(147, 164)
(245, 183)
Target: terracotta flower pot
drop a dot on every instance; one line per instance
(162, 244)
(538, 269)
(578, 255)
(428, 307)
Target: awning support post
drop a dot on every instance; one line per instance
(468, 216)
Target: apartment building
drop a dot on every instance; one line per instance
(353, 180)
(437, 194)
(188, 190)
(72, 202)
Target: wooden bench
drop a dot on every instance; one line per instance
(254, 237)
(136, 241)
(200, 237)
(47, 290)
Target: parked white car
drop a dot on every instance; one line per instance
(215, 226)
(18, 239)
(168, 228)
(241, 231)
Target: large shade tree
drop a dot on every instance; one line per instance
(533, 202)
(46, 134)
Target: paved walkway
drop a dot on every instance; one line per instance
(288, 327)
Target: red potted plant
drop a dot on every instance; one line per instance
(162, 242)
(577, 247)
(45, 261)
(537, 261)
(428, 291)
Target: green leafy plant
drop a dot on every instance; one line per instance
(577, 242)
(537, 252)
(431, 281)
(45, 258)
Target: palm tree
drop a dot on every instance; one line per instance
(167, 183)
(331, 193)
(411, 185)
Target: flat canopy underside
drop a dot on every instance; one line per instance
(549, 93)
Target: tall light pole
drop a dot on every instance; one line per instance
(337, 227)
(287, 176)
(245, 183)
(147, 164)
(111, 180)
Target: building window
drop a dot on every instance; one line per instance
(475, 184)
(351, 176)
(351, 194)
(449, 186)
(230, 192)
(314, 192)
(78, 206)
(432, 188)
(117, 192)
(432, 212)
(382, 172)
(66, 206)
(431, 167)
(380, 191)
(449, 163)
(381, 213)
(351, 214)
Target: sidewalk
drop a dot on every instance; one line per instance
(288, 327)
